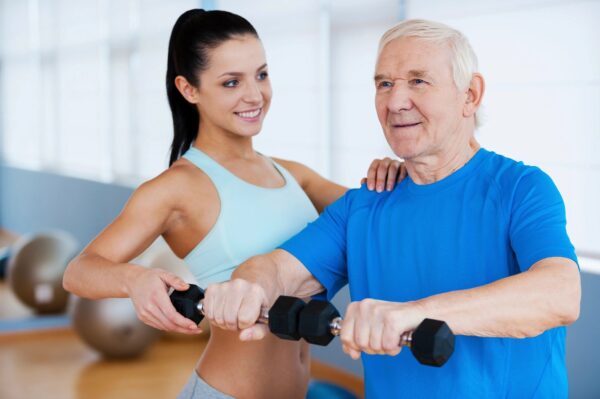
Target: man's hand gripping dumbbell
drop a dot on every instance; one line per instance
(282, 317)
(431, 343)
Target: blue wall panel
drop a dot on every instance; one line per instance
(37, 201)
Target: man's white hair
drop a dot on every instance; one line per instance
(463, 58)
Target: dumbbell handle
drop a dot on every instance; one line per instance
(263, 318)
(336, 329)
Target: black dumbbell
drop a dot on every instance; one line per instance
(282, 318)
(431, 343)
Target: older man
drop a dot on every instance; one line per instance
(469, 237)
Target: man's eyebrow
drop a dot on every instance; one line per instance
(413, 73)
(263, 66)
(417, 73)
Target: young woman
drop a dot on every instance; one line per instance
(219, 203)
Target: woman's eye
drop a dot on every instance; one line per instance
(231, 83)
(263, 75)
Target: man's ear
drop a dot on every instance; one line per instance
(187, 90)
(474, 95)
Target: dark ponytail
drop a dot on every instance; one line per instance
(193, 35)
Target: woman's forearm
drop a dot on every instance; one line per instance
(92, 276)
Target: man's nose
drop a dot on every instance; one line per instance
(400, 98)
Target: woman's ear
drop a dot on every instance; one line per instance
(187, 90)
(474, 95)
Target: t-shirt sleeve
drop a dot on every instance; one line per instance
(538, 222)
(321, 247)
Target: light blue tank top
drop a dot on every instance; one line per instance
(253, 220)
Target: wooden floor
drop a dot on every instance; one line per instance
(56, 364)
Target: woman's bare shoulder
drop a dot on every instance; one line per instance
(181, 180)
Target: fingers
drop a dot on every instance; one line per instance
(372, 175)
(174, 281)
(402, 173)
(160, 314)
(347, 334)
(390, 342)
(233, 305)
(373, 327)
(392, 173)
(374, 340)
(172, 319)
(152, 304)
(254, 333)
(353, 353)
(383, 174)
(249, 311)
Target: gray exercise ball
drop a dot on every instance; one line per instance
(36, 267)
(111, 327)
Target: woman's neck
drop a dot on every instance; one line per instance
(225, 146)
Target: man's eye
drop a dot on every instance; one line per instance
(231, 83)
(418, 81)
(384, 84)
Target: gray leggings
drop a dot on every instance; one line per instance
(197, 388)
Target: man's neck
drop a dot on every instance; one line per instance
(431, 168)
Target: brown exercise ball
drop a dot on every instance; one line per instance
(35, 270)
(111, 327)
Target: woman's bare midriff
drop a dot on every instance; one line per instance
(269, 368)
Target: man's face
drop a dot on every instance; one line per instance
(417, 102)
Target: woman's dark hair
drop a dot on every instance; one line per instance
(193, 35)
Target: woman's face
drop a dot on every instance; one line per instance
(235, 91)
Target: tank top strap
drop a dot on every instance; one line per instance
(252, 220)
(219, 175)
(290, 181)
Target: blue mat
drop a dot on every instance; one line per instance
(34, 323)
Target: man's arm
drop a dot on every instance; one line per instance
(279, 273)
(524, 305)
(236, 304)
(519, 306)
(256, 284)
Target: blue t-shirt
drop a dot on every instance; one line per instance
(492, 218)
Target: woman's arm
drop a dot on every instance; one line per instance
(321, 191)
(102, 270)
(382, 173)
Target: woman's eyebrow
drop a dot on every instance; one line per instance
(241, 73)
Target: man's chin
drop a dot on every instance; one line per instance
(404, 152)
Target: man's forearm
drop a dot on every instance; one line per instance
(523, 305)
(279, 273)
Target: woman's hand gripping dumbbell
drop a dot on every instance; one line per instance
(281, 318)
(431, 343)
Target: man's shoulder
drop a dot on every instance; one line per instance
(509, 173)
(362, 196)
(516, 178)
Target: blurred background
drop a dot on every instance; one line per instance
(84, 119)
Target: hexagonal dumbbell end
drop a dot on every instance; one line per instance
(432, 342)
(315, 318)
(283, 317)
(186, 302)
